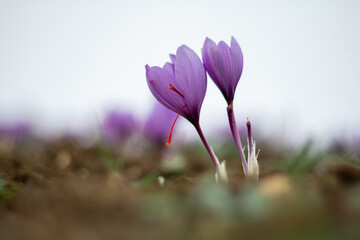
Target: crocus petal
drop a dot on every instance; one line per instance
(238, 60)
(169, 67)
(158, 81)
(173, 58)
(190, 79)
(210, 58)
(226, 69)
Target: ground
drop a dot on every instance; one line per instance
(61, 190)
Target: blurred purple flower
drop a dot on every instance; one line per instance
(18, 130)
(223, 133)
(224, 65)
(3, 130)
(158, 124)
(117, 127)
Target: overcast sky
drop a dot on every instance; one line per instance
(64, 63)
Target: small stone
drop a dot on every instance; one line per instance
(161, 181)
(63, 160)
(275, 186)
(83, 173)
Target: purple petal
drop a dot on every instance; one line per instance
(147, 69)
(190, 79)
(169, 67)
(208, 57)
(173, 58)
(158, 80)
(237, 58)
(211, 62)
(226, 68)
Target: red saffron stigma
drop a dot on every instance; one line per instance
(172, 127)
(175, 90)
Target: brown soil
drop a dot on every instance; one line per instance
(61, 191)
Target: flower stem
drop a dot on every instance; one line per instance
(236, 136)
(214, 159)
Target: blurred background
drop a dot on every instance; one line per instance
(64, 64)
(82, 141)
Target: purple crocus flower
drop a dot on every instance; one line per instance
(224, 65)
(117, 126)
(181, 87)
(159, 123)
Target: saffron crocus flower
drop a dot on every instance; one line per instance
(158, 123)
(117, 127)
(181, 87)
(224, 65)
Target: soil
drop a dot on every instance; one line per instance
(61, 190)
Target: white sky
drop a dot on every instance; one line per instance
(63, 63)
